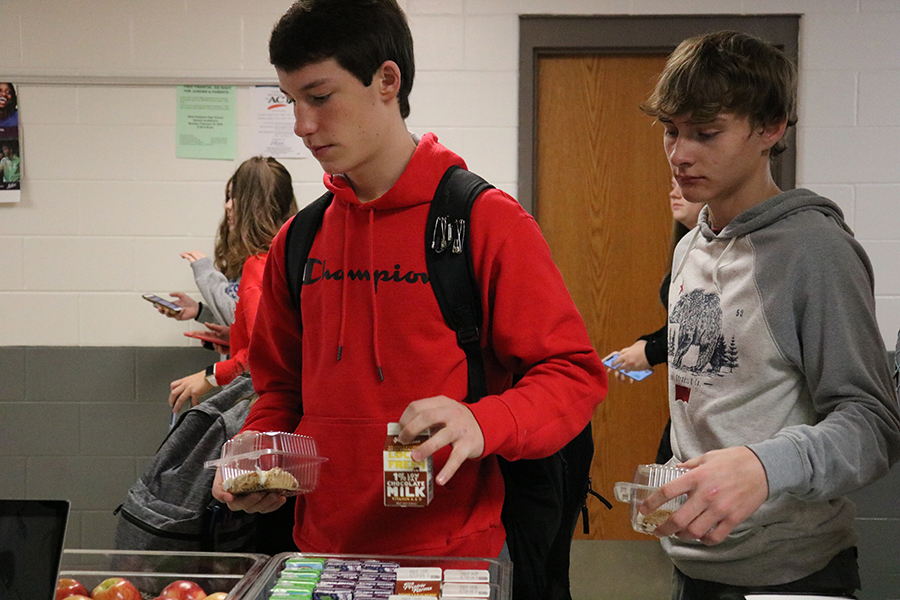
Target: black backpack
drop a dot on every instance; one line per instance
(171, 506)
(897, 364)
(543, 496)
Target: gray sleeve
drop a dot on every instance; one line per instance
(213, 285)
(206, 315)
(829, 330)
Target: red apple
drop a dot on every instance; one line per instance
(69, 587)
(116, 588)
(183, 590)
(77, 597)
(217, 596)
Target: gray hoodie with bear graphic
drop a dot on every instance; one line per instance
(774, 345)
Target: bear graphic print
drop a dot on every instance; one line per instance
(695, 323)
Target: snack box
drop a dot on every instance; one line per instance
(274, 461)
(648, 479)
(283, 575)
(151, 571)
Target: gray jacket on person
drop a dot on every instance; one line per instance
(219, 294)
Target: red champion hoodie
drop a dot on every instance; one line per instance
(369, 310)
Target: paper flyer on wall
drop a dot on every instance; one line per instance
(10, 159)
(273, 125)
(206, 124)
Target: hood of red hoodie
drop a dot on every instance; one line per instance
(401, 206)
(424, 170)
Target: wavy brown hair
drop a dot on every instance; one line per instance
(262, 198)
(727, 71)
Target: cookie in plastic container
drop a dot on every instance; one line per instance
(269, 462)
(648, 479)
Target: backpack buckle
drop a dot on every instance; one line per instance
(468, 335)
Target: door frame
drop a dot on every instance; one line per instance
(541, 35)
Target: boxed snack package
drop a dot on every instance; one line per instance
(406, 482)
(464, 591)
(467, 576)
(419, 581)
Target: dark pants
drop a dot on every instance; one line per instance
(840, 577)
(275, 530)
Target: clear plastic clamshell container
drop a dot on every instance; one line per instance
(269, 461)
(648, 479)
(151, 571)
(497, 585)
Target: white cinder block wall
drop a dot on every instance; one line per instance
(106, 207)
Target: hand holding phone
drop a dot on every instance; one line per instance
(208, 336)
(161, 303)
(636, 375)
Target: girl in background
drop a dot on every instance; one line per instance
(652, 349)
(261, 199)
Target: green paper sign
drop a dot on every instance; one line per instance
(206, 122)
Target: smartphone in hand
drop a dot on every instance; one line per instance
(207, 337)
(636, 375)
(162, 303)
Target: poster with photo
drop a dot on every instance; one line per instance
(10, 158)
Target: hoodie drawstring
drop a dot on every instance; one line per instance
(690, 247)
(340, 349)
(715, 273)
(375, 338)
(374, 303)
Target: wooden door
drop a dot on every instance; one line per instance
(601, 199)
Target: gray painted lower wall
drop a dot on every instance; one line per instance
(81, 423)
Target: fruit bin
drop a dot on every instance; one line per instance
(500, 570)
(151, 571)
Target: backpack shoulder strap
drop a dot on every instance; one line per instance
(451, 271)
(298, 242)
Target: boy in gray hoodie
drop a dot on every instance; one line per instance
(779, 386)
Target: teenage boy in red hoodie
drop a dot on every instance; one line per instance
(374, 347)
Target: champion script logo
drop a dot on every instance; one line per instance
(317, 270)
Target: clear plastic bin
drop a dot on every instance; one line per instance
(256, 457)
(500, 570)
(648, 479)
(151, 571)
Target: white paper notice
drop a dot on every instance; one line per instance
(273, 125)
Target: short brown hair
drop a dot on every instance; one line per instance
(727, 71)
(359, 34)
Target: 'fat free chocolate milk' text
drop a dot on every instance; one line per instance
(406, 482)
